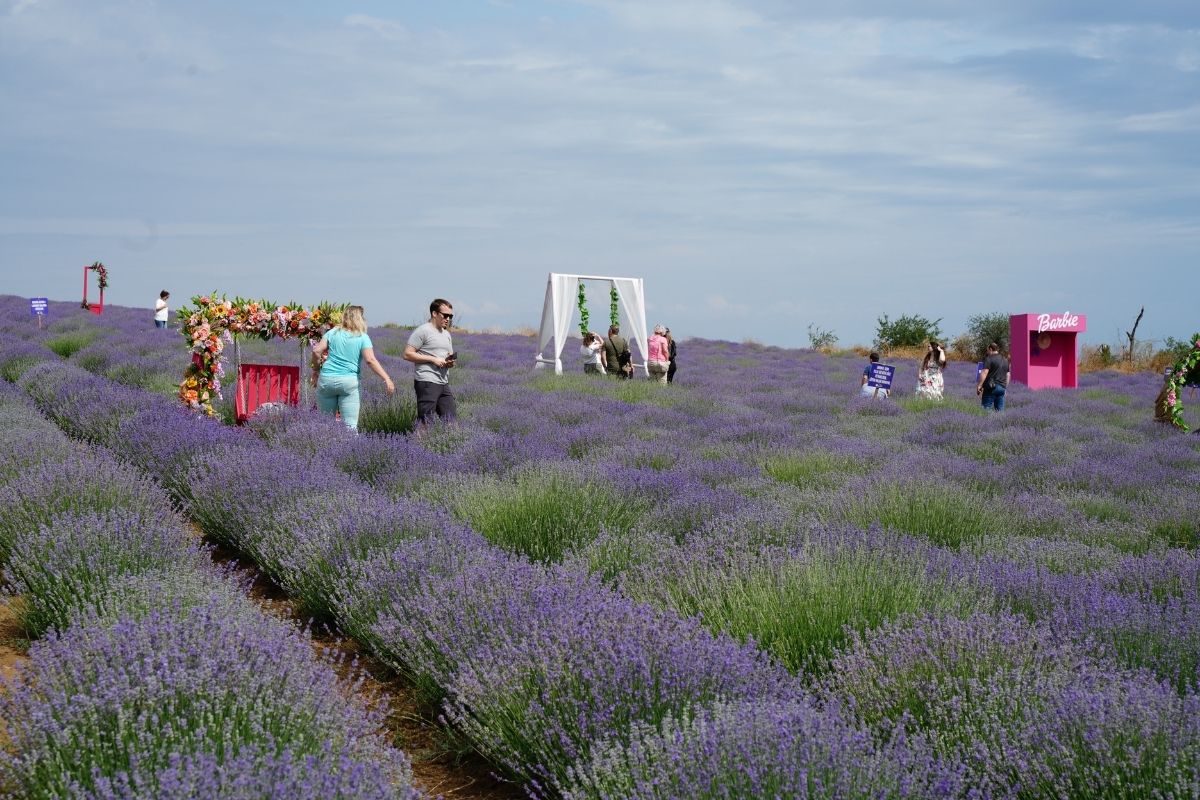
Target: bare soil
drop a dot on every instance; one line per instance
(13, 647)
(439, 767)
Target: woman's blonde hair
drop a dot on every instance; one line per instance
(353, 320)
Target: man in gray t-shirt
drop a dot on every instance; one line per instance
(432, 350)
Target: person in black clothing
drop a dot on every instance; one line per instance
(671, 353)
(993, 379)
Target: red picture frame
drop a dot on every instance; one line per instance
(98, 308)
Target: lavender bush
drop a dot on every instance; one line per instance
(755, 750)
(1027, 714)
(62, 566)
(145, 703)
(82, 482)
(772, 505)
(544, 512)
(799, 603)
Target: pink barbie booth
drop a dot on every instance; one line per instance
(1045, 350)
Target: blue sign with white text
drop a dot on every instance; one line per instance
(879, 376)
(39, 306)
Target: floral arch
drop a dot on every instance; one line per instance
(215, 320)
(101, 281)
(1177, 379)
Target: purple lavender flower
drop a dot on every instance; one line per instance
(102, 709)
(61, 566)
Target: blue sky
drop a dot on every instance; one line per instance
(763, 165)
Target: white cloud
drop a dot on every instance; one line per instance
(711, 16)
(682, 141)
(388, 29)
(1172, 121)
(723, 305)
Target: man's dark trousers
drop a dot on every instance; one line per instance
(434, 398)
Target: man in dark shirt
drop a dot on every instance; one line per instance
(993, 379)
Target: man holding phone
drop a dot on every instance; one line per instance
(432, 351)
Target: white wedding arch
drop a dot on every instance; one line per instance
(559, 309)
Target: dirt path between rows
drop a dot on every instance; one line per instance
(13, 653)
(13, 644)
(438, 769)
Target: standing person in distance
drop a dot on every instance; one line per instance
(930, 383)
(658, 360)
(339, 356)
(161, 312)
(616, 354)
(431, 349)
(671, 352)
(993, 379)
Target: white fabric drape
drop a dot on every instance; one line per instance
(633, 302)
(556, 318)
(559, 307)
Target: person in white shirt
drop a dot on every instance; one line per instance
(592, 351)
(161, 312)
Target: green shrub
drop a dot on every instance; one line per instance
(70, 343)
(945, 515)
(544, 513)
(816, 469)
(393, 414)
(983, 329)
(821, 339)
(910, 330)
(13, 368)
(801, 608)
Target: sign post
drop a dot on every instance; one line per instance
(39, 307)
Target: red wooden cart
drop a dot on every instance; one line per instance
(262, 384)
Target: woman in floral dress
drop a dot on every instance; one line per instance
(930, 382)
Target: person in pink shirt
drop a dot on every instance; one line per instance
(658, 360)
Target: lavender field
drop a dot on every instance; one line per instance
(749, 584)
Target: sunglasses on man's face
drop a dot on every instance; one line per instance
(445, 316)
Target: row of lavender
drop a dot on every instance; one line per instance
(151, 673)
(499, 640)
(823, 578)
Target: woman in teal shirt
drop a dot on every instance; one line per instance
(344, 348)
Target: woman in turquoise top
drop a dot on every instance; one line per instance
(343, 349)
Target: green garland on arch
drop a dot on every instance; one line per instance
(583, 311)
(1177, 379)
(614, 316)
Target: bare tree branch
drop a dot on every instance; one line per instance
(1131, 334)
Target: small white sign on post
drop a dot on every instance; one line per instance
(39, 307)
